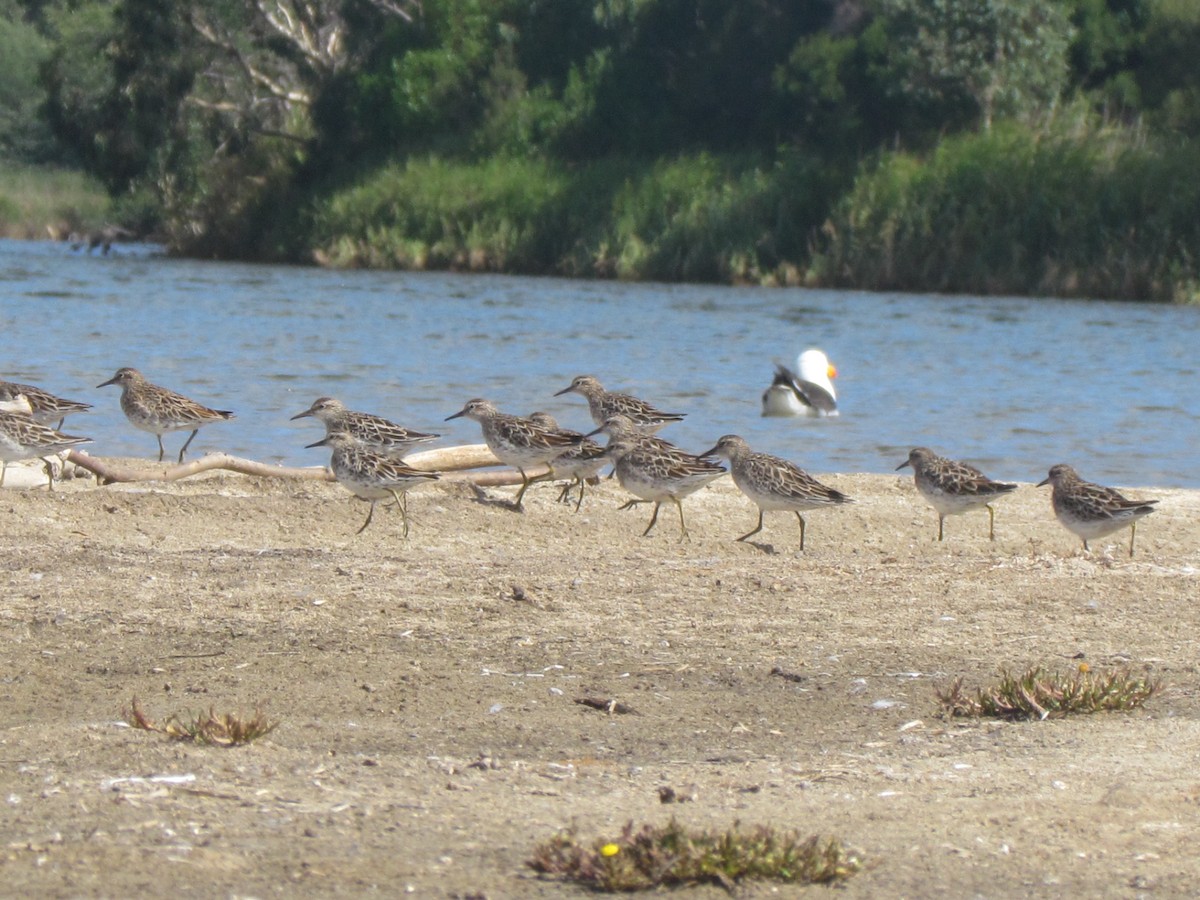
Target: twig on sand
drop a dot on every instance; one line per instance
(452, 462)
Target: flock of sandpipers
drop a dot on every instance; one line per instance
(368, 455)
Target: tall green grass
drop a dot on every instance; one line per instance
(1082, 212)
(1086, 214)
(43, 201)
(495, 216)
(695, 218)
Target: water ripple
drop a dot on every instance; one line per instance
(1014, 384)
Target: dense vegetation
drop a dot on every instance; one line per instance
(1033, 146)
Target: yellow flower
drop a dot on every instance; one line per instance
(1084, 668)
(610, 850)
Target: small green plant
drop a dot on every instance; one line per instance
(673, 855)
(224, 730)
(1039, 694)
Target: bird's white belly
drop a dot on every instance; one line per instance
(781, 401)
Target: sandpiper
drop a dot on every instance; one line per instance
(516, 441)
(952, 487)
(372, 476)
(371, 431)
(158, 410)
(21, 437)
(44, 406)
(774, 483)
(602, 404)
(581, 462)
(620, 427)
(1090, 510)
(655, 470)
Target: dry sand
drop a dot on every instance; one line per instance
(425, 689)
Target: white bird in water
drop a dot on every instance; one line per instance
(809, 393)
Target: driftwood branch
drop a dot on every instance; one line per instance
(454, 463)
(453, 459)
(495, 479)
(109, 472)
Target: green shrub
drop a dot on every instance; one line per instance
(41, 201)
(674, 855)
(1039, 694)
(1011, 211)
(699, 217)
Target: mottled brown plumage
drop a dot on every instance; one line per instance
(655, 470)
(21, 437)
(604, 404)
(372, 476)
(371, 431)
(158, 410)
(515, 440)
(580, 462)
(1090, 510)
(952, 487)
(773, 483)
(44, 406)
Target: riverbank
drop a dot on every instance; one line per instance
(1010, 212)
(48, 202)
(426, 690)
(1088, 213)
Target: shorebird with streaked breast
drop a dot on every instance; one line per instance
(581, 462)
(44, 406)
(1090, 511)
(22, 437)
(371, 431)
(953, 487)
(371, 475)
(654, 470)
(515, 440)
(158, 410)
(774, 483)
(603, 404)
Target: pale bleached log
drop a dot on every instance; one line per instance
(34, 473)
(453, 459)
(22, 476)
(499, 478)
(453, 462)
(109, 472)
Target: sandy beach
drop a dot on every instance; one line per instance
(425, 689)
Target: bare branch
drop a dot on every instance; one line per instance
(226, 107)
(226, 45)
(408, 11)
(301, 29)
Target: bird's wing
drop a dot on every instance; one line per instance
(806, 392)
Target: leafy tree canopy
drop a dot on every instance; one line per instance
(218, 108)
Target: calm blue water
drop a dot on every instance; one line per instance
(1011, 384)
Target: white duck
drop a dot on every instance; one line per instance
(810, 393)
